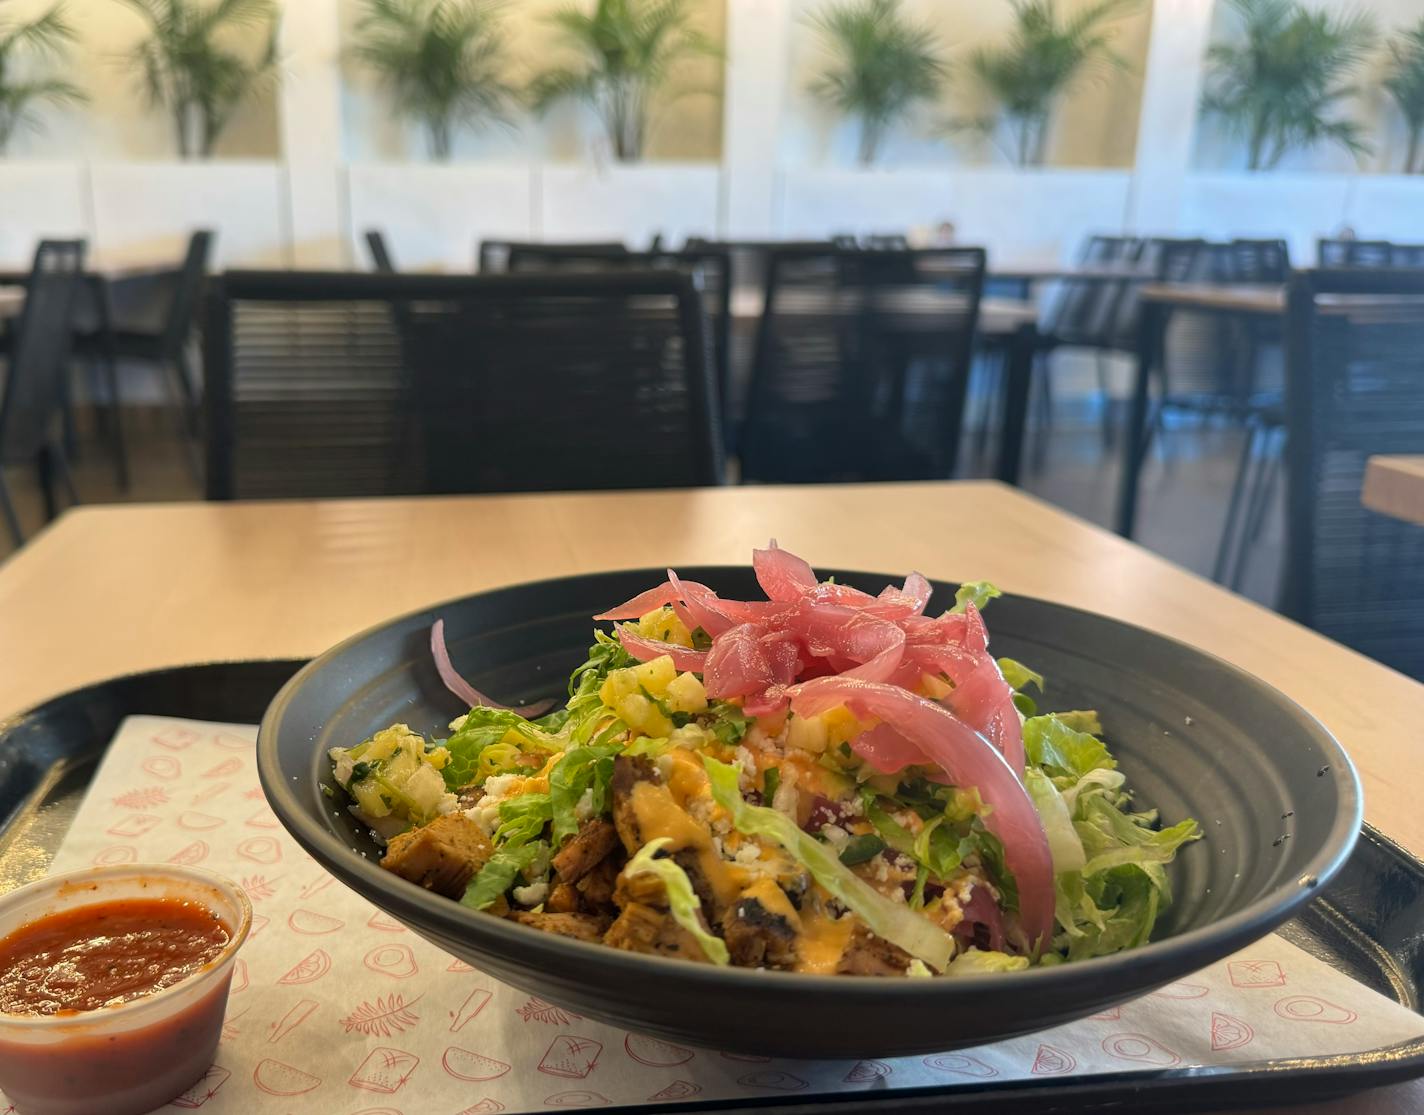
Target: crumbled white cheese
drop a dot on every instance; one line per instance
(583, 808)
(531, 895)
(835, 835)
(853, 806)
(498, 786)
(746, 765)
(485, 813)
(748, 853)
(664, 765)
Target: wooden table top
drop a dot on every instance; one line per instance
(1240, 298)
(1395, 486)
(114, 589)
(997, 316)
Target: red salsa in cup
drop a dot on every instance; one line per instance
(105, 954)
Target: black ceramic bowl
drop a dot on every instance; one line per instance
(1275, 795)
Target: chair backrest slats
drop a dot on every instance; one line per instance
(1353, 339)
(345, 384)
(39, 358)
(861, 364)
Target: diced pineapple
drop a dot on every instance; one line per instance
(643, 716)
(807, 733)
(841, 726)
(616, 686)
(655, 674)
(368, 796)
(686, 694)
(662, 624)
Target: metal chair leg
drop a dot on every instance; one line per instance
(7, 510)
(110, 368)
(1233, 507)
(60, 464)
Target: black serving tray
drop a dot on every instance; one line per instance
(1368, 923)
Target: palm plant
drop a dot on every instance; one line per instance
(1281, 87)
(45, 38)
(1045, 55)
(442, 61)
(186, 70)
(629, 49)
(1405, 85)
(883, 65)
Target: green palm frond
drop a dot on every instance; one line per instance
(1046, 54)
(626, 52)
(1405, 86)
(882, 65)
(1280, 86)
(441, 60)
(184, 67)
(27, 47)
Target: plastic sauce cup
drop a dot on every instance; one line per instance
(135, 1056)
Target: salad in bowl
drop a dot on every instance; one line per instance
(822, 781)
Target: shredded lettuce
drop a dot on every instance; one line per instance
(1018, 675)
(1081, 720)
(522, 819)
(1061, 751)
(683, 902)
(976, 962)
(729, 722)
(498, 875)
(482, 728)
(580, 770)
(977, 593)
(893, 921)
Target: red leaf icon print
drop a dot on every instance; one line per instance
(1052, 1061)
(1228, 1032)
(141, 799)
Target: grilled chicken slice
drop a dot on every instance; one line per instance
(442, 856)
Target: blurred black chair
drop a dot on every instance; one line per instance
(328, 384)
(709, 268)
(862, 363)
(1368, 253)
(380, 254)
(501, 256)
(38, 367)
(152, 323)
(1353, 389)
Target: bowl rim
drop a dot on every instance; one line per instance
(149, 1001)
(1202, 944)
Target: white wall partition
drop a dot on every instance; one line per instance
(1299, 207)
(629, 203)
(434, 216)
(150, 208)
(39, 200)
(1021, 217)
(1386, 207)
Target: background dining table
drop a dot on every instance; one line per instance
(118, 589)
